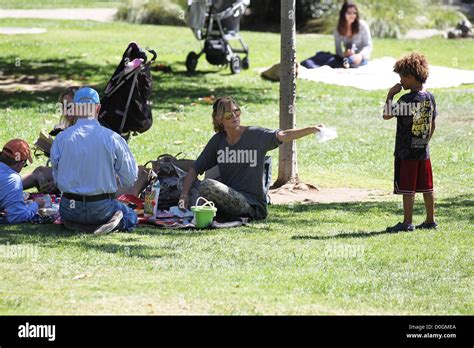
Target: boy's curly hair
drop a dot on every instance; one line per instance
(414, 64)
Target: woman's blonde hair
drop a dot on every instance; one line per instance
(65, 122)
(70, 91)
(221, 106)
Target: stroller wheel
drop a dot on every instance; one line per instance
(235, 64)
(245, 63)
(191, 61)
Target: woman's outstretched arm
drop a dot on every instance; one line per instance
(288, 135)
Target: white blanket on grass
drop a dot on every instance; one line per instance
(378, 74)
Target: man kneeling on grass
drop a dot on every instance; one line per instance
(87, 158)
(13, 158)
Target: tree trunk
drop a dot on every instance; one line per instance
(287, 166)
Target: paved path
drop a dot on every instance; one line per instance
(419, 34)
(92, 14)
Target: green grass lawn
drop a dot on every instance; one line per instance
(305, 259)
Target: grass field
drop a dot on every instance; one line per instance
(305, 259)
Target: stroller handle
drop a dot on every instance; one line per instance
(153, 52)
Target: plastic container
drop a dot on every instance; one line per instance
(148, 202)
(326, 134)
(156, 189)
(48, 201)
(152, 194)
(204, 214)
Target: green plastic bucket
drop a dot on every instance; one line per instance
(203, 214)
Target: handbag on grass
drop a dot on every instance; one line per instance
(171, 175)
(145, 177)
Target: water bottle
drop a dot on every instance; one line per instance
(48, 202)
(156, 189)
(42, 182)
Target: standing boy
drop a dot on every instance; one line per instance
(416, 113)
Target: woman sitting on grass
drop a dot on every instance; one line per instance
(353, 42)
(42, 177)
(239, 153)
(354, 34)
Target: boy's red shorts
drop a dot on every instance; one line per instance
(413, 176)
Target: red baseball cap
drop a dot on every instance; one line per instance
(18, 149)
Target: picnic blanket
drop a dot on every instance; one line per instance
(378, 74)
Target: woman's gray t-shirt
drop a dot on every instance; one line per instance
(362, 40)
(241, 165)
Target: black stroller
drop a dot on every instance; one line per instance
(216, 22)
(125, 103)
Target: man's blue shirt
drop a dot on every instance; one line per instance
(87, 159)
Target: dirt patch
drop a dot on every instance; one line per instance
(308, 194)
(50, 83)
(420, 34)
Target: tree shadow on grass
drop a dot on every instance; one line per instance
(169, 88)
(74, 67)
(48, 236)
(181, 87)
(123, 249)
(458, 208)
(27, 233)
(130, 245)
(342, 235)
(127, 245)
(162, 232)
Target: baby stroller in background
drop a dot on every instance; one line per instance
(216, 22)
(125, 104)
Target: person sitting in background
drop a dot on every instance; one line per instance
(67, 118)
(354, 34)
(13, 159)
(87, 159)
(353, 42)
(42, 177)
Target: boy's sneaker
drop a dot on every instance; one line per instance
(401, 227)
(427, 226)
(110, 225)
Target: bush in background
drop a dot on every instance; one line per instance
(386, 18)
(163, 12)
